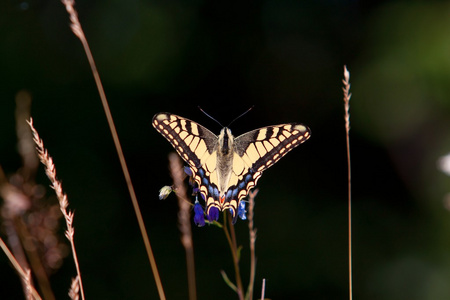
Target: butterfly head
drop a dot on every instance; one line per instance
(225, 141)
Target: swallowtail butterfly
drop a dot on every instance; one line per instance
(225, 167)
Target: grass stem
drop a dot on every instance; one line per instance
(78, 31)
(347, 96)
(50, 171)
(228, 228)
(252, 234)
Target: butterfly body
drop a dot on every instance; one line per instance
(225, 167)
(224, 160)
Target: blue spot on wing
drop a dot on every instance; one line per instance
(235, 193)
(216, 193)
(188, 171)
(210, 190)
(248, 178)
(242, 185)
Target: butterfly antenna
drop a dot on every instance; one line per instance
(209, 116)
(241, 115)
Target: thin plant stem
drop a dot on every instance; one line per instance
(50, 171)
(78, 31)
(26, 278)
(263, 289)
(184, 217)
(34, 260)
(228, 281)
(252, 234)
(228, 228)
(347, 96)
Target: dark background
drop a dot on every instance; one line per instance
(284, 57)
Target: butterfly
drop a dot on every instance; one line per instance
(225, 167)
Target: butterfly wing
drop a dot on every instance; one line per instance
(193, 142)
(256, 151)
(198, 147)
(263, 147)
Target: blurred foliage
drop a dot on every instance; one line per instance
(287, 58)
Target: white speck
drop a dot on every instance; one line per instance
(443, 164)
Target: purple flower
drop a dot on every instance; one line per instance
(241, 210)
(213, 214)
(199, 217)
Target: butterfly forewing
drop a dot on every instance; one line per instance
(193, 142)
(263, 147)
